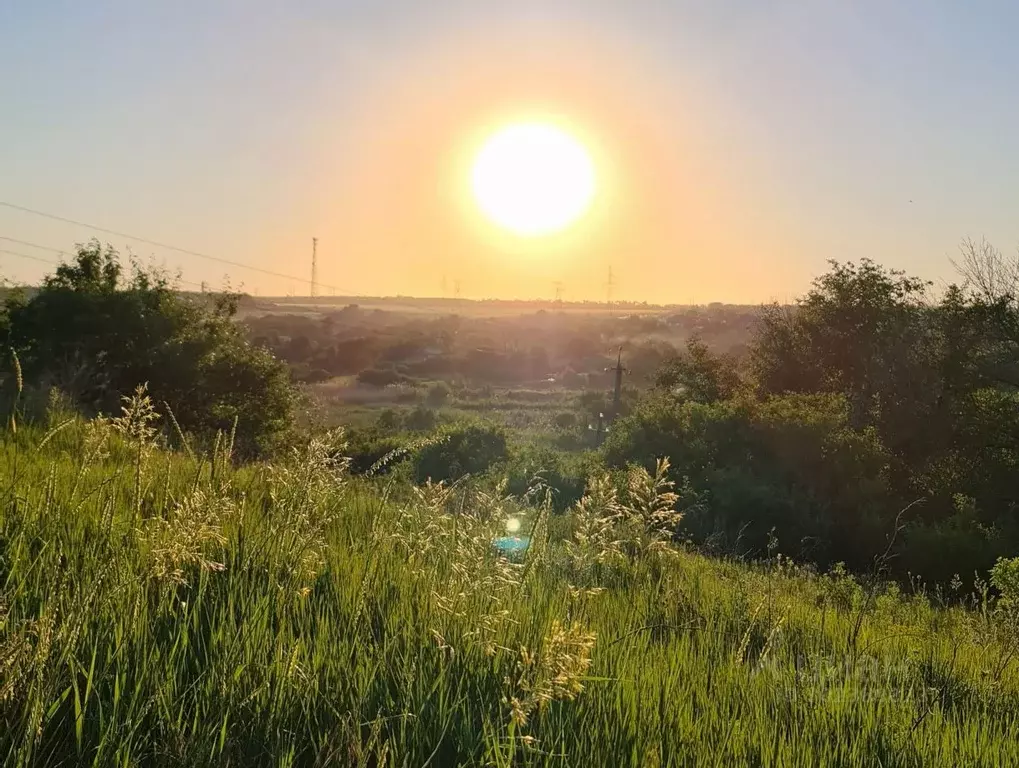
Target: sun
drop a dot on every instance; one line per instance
(533, 179)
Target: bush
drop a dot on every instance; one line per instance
(438, 394)
(381, 377)
(366, 448)
(565, 420)
(421, 419)
(790, 464)
(459, 450)
(565, 474)
(96, 336)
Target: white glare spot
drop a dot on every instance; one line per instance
(512, 525)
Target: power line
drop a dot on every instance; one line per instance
(26, 256)
(34, 245)
(155, 243)
(62, 253)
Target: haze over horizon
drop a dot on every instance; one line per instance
(737, 147)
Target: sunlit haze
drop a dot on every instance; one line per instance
(709, 151)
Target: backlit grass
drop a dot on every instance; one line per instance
(159, 608)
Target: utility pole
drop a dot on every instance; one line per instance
(602, 425)
(314, 266)
(617, 394)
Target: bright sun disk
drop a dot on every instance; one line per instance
(533, 179)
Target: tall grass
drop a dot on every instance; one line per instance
(161, 608)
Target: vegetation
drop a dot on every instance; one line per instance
(166, 610)
(95, 336)
(800, 552)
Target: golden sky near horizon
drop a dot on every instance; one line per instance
(661, 207)
(737, 145)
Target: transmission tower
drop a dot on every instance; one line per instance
(609, 285)
(558, 285)
(314, 266)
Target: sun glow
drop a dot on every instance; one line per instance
(533, 179)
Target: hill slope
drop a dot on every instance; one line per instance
(158, 608)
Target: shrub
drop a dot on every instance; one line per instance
(96, 335)
(564, 474)
(463, 449)
(421, 419)
(792, 464)
(381, 377)
(438, 394)
(366, 448)
(565, 420)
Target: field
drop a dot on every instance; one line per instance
(517, 363)
(163, 608)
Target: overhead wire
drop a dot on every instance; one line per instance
(158, 244)
(64, 253)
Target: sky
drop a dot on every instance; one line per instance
(739, 145)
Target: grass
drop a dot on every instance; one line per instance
(159, 608)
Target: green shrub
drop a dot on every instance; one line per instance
(792, 464)
(438, 394)
(459, 450)
(96, 335)
(565, 474)
(565, 420)
(368, 447)
(381, 377)
(421, 419)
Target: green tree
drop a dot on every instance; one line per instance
(459, 450)
(95, 334)
(698, 375)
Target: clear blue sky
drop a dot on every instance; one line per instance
(788, 133)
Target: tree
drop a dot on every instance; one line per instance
(791, 464)
(96, 335)
(459, 450)
(698, 375)
(851, 333)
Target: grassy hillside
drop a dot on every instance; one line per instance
(160, 608)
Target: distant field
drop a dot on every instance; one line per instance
(439, 306)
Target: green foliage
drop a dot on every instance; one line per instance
(791, 464)
(698, 375)
(371, 450)
(382, 377)
(534, 469)
(421, 420)
(930, 386)
(566, 420)
(96, 335)
(856, 327)
(438, 394)
(460, 450)
(288, 614)
(1005, 579)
